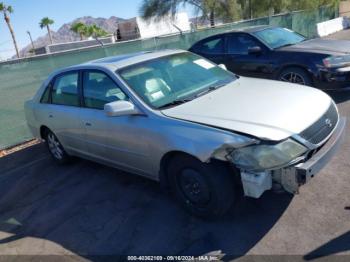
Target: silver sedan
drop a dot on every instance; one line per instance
(177, 118)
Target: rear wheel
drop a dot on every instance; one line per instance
(55, 148)
(204, 189)
(295, 75)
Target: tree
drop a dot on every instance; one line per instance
(46, 22)
(7, 9)
(227, 10)
(260, 8)
(96, 31)
(79, 28)
(310, 4)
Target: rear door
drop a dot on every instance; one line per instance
(60, 110)
(242, 62)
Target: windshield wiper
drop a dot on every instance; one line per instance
(184, 100)
(285, 45)
(289, 44)
(210, 88)
(174, 103)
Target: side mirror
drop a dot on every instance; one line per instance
(254, 50)
(222, 66)
(121, 108)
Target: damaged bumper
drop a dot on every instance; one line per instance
(308, 169)
(303, 172)
(291, 178)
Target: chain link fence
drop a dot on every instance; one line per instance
(19, 79)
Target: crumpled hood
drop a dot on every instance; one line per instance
(266, 109)
(321, 46)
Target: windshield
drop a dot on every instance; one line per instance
(279, 37)
(174, 79)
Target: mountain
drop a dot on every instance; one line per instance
(64, 34)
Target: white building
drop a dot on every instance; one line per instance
(139, 28)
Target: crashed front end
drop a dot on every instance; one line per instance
(292, 162)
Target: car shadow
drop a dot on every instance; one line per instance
(92, 210)
(339, 96)
(336, 245)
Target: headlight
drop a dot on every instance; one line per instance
(336, 61)
(263, 157)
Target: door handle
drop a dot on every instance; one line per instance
(88, 124)
(50, 116)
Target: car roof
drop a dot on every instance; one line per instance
(248, 29)
(113, 63)
(119, 61)
(252, 29)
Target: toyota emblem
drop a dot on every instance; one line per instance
(328, 122)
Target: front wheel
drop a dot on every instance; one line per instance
(295, 75)
(204, 189)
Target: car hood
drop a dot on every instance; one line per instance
(322, 46)
(267, 109)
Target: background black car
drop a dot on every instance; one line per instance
(279, 53)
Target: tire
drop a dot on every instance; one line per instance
(295, 75)
(206, 190)
(55, 148)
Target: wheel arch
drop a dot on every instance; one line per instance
(43, 130)
(164, 162)
(311, 73)
(166, 159)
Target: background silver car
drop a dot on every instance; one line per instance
(177, 118)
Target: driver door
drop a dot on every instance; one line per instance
(117, 140)
(245, 63)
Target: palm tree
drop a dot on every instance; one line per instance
(7, 9)
(46, 22)
(210, 9)
(79, 28)
(96, 31)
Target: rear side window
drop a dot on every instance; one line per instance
(45, 99)
(65, 90)
(99, 89)
(212, 46)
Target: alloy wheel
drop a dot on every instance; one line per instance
(293, 77)
(54, 146)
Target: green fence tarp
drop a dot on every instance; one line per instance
(20, 79)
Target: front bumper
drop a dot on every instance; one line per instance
(334, 79)
(305, 171)
(292, 177)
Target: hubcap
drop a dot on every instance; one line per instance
(194, 187)
(293, 77)
(54, 146)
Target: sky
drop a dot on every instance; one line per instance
(28, 13)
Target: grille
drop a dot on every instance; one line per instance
(319, 131)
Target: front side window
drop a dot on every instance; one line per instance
(99, 89)
(279, 37)
(65, 90)
(165, 80)
(213, 46)
(240, 44)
